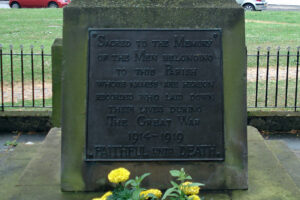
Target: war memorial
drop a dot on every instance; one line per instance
(153, 85)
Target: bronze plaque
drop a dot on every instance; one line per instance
(155, 95)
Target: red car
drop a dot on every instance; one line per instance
(38, 3)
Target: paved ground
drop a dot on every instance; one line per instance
(13, 161)
(283, 8)
(24, 138)
(292, 141)
(284, 2)
(4, 4)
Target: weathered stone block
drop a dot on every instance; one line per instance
(56, 51)
(79, 16)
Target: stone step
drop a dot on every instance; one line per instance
(287, 158)
(12, 165)
(268, 179)
(41, 178)
(297, 152)
(42, 169)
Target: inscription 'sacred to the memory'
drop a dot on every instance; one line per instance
(155, 95)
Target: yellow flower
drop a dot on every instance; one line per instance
(189, 190)
(155, 192)
(118, 175)
(104, 197)
(194, 197)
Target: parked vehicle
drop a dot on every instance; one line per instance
(38, 3)
(253, 4)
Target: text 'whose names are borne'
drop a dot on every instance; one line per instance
(155, 95)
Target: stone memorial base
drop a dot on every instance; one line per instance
(273, 174)
(122, 101)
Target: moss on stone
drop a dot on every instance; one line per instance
(154, 3)
(56, 82)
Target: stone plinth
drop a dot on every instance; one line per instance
(79, 16)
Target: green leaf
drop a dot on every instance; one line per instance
(131, 182)
(196, 184)
(136, 195)
(11, 143)
(173, 195)
(175, 173)
(152, 196)
(144, 176)
(121, 193)
(168, 192)
(174, 184)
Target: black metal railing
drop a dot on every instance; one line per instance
(272, 82)
(273, 79)
(25, 78)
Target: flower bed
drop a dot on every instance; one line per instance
(131, 189)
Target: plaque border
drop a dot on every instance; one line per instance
(87, 158)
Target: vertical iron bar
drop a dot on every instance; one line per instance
(267, 76)
(277, 74)
(296, 87)
(43, 75)
(32, 75)
(257, 73)
(287, 76)
(22, 75)
(2, 92)
(12, 74)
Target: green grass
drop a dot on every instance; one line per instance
(252, 60)
(37, 68)
(272, 29)
(251, 94)
(30, 27)
(38, 105)
(41, 26)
